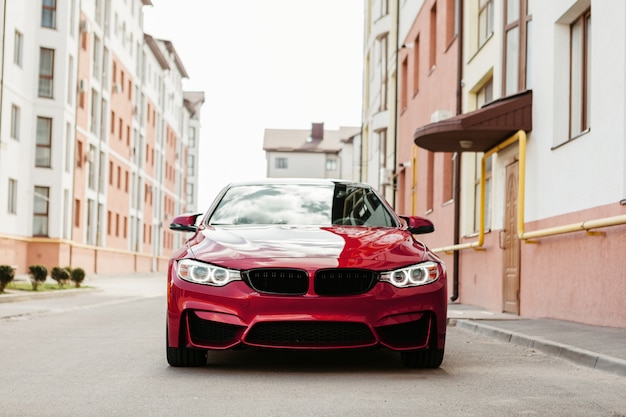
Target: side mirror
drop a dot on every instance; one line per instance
(418, 225)
(185, 222)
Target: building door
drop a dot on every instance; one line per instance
(511, 243)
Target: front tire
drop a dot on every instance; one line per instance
(184, 357)
(423, 359)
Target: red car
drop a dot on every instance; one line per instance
(304, 264)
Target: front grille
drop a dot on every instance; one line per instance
(310, 334)
(344, 281)
(278, 281)
(411, 334)
(206, 332)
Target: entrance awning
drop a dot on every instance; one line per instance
(480, 130)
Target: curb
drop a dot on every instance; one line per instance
(11, 296)
(573, 354)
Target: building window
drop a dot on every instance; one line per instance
(430, 182)
(517, 27)
(190, 196)
(580, 82)
(384, 45)
(404, 88)
(452, 24)
(15, 122)
(18, 48)
(191, 168)
(12, 196)
(485, 94)
(79, 154)
(433, 37)
(416, 65)
(382, 148)
(485, 21)
(331, 165)
(96, 58)
(384, 7)
(192, 137)
(43, 152)
(477, 199)
(48, 13)
(281, 163)
(46, 72)
(91, 168)
(91, 222)
(68, 147)
(77, 213)
(71, 92)
(40, 211)
(448, 176)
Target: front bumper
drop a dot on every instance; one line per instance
(205, 317)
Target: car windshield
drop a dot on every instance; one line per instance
(302, 204)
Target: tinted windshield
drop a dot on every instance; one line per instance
(301, 204)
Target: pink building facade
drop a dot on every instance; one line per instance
(542, 230)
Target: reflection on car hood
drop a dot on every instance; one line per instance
(305, 247)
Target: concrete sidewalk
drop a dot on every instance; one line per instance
(602, 348)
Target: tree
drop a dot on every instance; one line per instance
(7, 273)
(38, 275)
(60, 275)
(77, 276)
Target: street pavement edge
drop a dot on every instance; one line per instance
(571, 353)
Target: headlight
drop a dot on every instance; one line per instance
(201, 273)
(412, 276)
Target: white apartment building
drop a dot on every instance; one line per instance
(94, 137)
(314, 153)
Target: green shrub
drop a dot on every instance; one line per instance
(38, 275)
(77, 276)
(60, 275)
(7, 273)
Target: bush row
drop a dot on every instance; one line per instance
(39, 273)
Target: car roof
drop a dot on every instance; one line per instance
(296, 181)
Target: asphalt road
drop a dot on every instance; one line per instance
(103, 354)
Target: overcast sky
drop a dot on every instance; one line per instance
(278, 64)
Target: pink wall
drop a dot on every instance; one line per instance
(92, 259)
(426, 90)
(575, 276)
(480, 274)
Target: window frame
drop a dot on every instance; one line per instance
(281, 162)
(485, 8)
(49, 12)
(46, 75)
(41, 194)
(584, 86)
(521, 25)
(12, 196)
(383, 42)
(16, 116)
(18, 48)
(43, 147)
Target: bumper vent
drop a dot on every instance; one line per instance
(310, 334)
(278, 281)
(344, 281)
(414, 334)
(211, 333)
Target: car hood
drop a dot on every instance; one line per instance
(245, 247)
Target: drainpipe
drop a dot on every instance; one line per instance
(457, 160)
(394, 185)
